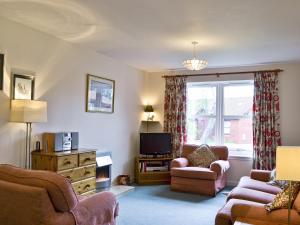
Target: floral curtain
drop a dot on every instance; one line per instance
(266, 126)
(175, 111)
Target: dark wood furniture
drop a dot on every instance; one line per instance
(79, 166)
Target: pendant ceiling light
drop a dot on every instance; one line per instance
(195, 64)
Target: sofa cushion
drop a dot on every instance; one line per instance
(281, 200)
(258, 215)
(223, 217)
(279, 183)
(261, 175)
(194, 173)
(220, 151)
(205, 187)
(59, 189)
(250, 195)
(247, 182)
(202, 157)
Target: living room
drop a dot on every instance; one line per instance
(134, 44)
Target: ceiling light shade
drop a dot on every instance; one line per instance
(195, 64)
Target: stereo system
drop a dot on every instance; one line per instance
(62, 141)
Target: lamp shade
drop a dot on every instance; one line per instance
(148, 108)
(28, 111)
(288, 163)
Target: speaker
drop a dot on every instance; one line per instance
(56, 142)
(67, 141)
(75, 140)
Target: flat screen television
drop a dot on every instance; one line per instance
(155, 143)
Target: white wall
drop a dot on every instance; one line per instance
(289, 82)
(61, 69)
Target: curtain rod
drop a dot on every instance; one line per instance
(226, 73)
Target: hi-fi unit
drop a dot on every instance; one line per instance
(62, 141)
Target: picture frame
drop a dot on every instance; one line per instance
(100, 93)
(23, 87)
(1, 71)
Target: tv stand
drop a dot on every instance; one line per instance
(154, 170)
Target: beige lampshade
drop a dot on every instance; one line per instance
(28, 111)
(288, 163)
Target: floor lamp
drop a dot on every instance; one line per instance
(288, 168)
(28, 111)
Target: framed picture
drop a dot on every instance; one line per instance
(100, 94)
(23, 87)
(1, 71)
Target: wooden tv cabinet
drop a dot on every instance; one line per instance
(153, 170)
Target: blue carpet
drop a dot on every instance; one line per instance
(158, 205)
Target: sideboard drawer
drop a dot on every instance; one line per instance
(87, 158)
(79, 173)
(84, 185)
(66, 162)
(79, 166)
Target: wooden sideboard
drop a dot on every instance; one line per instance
(78, 166)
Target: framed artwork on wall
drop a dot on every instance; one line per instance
(1, 71)
(23, 87)
(5, 76)
(100, 94)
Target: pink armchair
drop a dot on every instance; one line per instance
(32, 197)
(200, 180)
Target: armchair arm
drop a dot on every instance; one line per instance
(261, 175)
(99, 208)
(220, 166)
(179, 162)
(258, 212)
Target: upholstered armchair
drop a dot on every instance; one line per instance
(32, 197)
(207, 181)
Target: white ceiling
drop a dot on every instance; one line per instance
(156, 35)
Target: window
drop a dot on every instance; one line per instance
(220, 113)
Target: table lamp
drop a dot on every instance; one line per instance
(288, 168)
(28, 111)
(149, 110)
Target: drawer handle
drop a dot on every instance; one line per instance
(87, 172)
(87, 186)
(87, 159)
(67, 162)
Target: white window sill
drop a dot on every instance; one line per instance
(240, 157)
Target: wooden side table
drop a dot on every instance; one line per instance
(245, 221)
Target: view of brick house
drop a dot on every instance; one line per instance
(237, 121)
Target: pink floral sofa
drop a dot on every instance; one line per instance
(32, 197)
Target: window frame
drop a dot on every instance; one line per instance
(220, 117)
